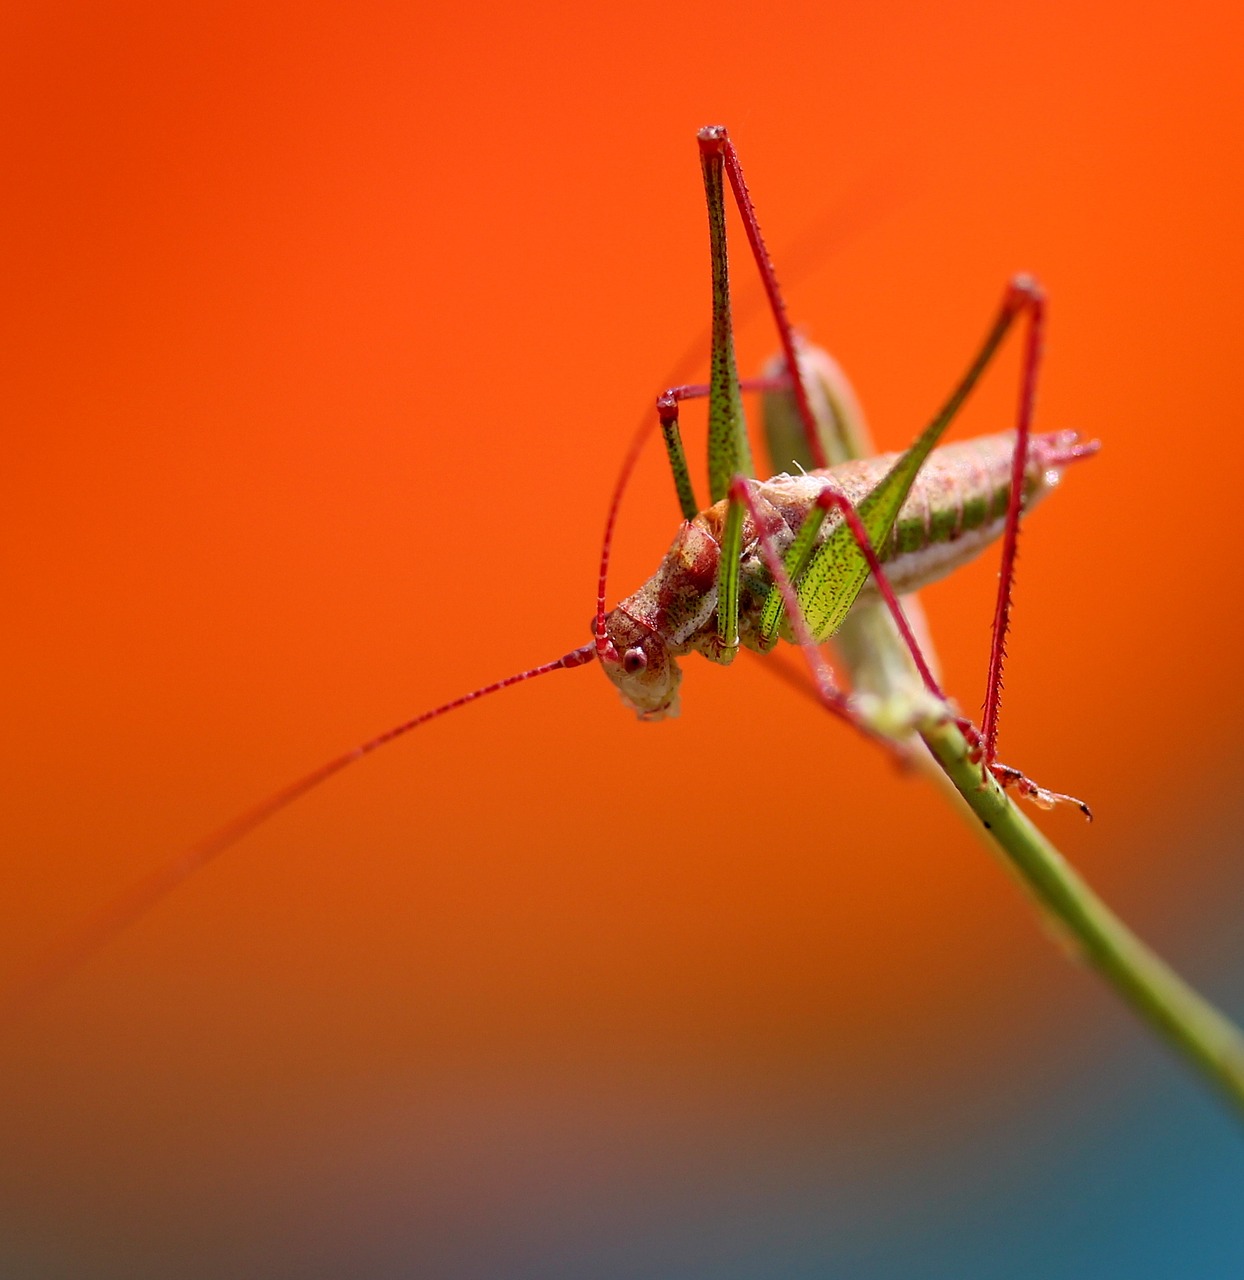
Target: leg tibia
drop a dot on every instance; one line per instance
(667, 411)
(717, 149)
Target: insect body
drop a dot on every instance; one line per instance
(955, 508)
(763, 562)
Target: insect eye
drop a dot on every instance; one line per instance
(634, 661)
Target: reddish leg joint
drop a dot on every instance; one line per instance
(669, 399)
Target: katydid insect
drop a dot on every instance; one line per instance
(785, 559)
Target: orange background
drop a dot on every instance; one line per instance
(324, 331)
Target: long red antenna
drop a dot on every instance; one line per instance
(74, 948)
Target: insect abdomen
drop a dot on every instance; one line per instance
(956, 507)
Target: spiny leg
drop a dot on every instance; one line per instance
(717, 153)
(838, 569)
(725, 405)
(1026, 295)
(729, 451)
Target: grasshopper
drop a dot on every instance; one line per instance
(765, 562)
(790, 558)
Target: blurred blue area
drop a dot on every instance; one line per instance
(1104, 1164)
(1102, 1157)
(1147, 1183)
(1123, 1166)
(1144, 1180)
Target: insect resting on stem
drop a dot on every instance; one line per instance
(802, 558)
(791, 558)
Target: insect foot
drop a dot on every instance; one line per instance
(1042, 797)
(721, 651)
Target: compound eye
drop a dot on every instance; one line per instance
(634, 661)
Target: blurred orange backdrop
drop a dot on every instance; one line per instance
(324, 331)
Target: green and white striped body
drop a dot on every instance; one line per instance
(955, 508)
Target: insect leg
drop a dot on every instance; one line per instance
(667, 411)
(827, 691)
(1028, 296)
(865, 642)
(830, 500)
(729, 453)
(742, 501)
(717, 149)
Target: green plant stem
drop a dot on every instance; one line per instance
(1161, 998)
